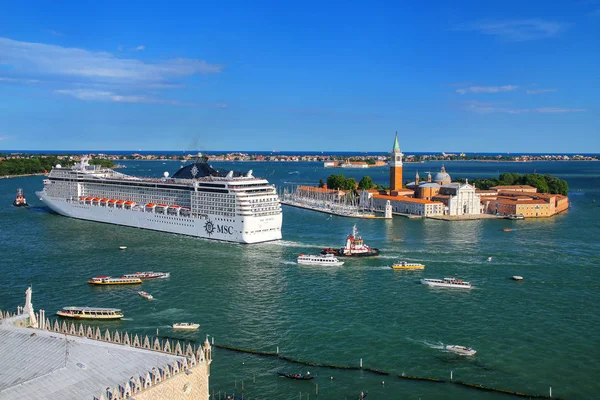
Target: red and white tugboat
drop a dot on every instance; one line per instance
(355, 247)
(20, 200)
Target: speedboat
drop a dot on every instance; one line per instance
(185, 326)
(107, 280)
(407, 265)
(90, 313)
(447, 282)
(122, 247)
(507, 229)
(148, 275)
(145, 295)
(489, 259)
(323, 260)
(517, 277)
(462, 350)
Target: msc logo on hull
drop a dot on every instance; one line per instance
(211, 228)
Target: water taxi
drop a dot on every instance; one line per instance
(407, 266)
(323, 260)
(447, 282)
(355, 247)
(145, 295)
(20, 199)
(148, 275)
(107, 280)
(90, 313)
(462, 350)
(186, 326)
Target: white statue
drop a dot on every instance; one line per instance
(29, 308)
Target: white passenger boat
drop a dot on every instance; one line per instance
(324, 260)
(107, 280)
(447, 282)
(148, 275)
(90, 313)
(517, 278)
(197, 200)
(186, 326)
(462, 350)
(145, 295)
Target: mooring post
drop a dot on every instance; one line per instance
(361, 362)
(277, 350)
(235, 384)
(213, 340)
(450, 376)
(316, 389)
(253, 378)
(242, 386)
(550, 391)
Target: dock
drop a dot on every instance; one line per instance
(330, 211)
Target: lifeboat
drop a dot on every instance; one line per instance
(150, 205)
(120, 201)
(89, 198)
(82, 198)
(112, 201)
(128, 203)
(104, 200)
(162, 205)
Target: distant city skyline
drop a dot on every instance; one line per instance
(449, 77)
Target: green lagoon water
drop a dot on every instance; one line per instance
(530, 335)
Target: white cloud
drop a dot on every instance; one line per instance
(19, 81)
(489, 108)
(539, 91)
(140, 48)
(558, 110)
(101, 95)
(487, 89)
(517, 30)
(120, 47)
(40, 59)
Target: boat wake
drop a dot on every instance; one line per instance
(291, 243)
(382, 268)
(285, 262)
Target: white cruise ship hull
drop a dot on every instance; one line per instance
(246, 229)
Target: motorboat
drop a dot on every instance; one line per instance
(407, 266)
(517, 278)
(462, 350)
(507, 229)
(301, 377)
(447, 282)
(122, 247)
(321, 260)
(20, 200)
(148, 275)
(145, 295)
(107, 280)
(90, 313)
(354, 247)
(185, 326)
(489, 259)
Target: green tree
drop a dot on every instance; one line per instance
(365, 183)
(321, 183)
(350, 184)
(336, 182)
(106, 163)
(537, 181)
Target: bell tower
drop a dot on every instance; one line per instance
(396, 167)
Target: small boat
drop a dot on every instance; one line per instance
(363, 395)
(107, 280)
(489, 259)
(300, 377)
(516, 216)
(122, 247)
(185, 326)
(507, 229)
(90, 313)
(517, 278)
(322, 260)
(462, 350)
(447, 282)
(145, 295)
(20, 199)
(148, 275)
(407, 266)
(355, 247)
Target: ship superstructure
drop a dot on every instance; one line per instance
(197, 200)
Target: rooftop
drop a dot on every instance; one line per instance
(500, 187)
(405, 199)
(39, 364)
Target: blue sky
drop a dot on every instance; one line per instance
(471, 76)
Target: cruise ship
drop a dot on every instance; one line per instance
(197, 200)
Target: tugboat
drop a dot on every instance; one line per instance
(355, 247)
(20, 200)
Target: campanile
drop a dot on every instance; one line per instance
(396, 167)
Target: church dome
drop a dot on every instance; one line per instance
(442, 177)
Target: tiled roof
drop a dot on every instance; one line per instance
(38, 364)
(404, 199)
